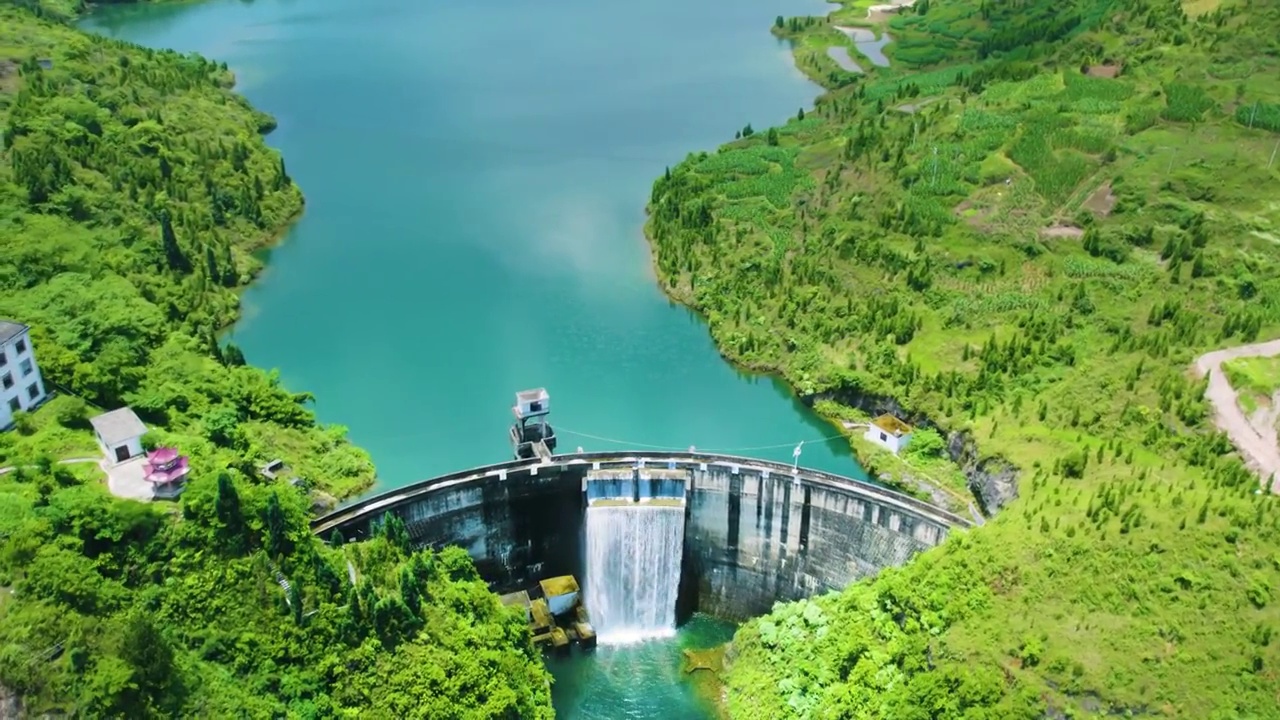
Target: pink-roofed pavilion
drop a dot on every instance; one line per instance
(167, 471)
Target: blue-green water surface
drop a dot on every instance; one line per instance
(476, 175)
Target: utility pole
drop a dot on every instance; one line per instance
(795, 456)
(935, 166)
(1273, 155)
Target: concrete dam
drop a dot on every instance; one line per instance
(748, 532)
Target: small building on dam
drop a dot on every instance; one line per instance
(751, 532)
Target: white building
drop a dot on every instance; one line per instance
(889, 432)
(119, 434)
(21, 387)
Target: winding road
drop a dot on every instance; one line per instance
(1260, 453)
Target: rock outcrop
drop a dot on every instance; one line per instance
(992, 480)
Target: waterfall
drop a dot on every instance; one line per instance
(633, 569)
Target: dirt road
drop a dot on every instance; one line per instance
(1259, 452)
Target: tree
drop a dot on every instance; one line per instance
(394, 530)
(176, 259)
(73, 413)
(222, 426)
(232, 355)
(355, 611)
(150, 659)
(274, 519)
(295, 601)
(227, 509)
(410, 590)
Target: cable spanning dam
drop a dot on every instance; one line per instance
(747, 532)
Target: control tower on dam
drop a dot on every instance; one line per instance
(753, 531)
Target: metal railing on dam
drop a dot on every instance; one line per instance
(755, 531)
(374, 506)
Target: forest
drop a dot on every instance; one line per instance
(135, 188)
(1024, 230)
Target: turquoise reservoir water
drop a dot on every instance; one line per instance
(476, 174)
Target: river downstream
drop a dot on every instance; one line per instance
(476, 175)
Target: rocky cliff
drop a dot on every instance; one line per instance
(992, 480)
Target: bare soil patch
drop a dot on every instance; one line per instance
(1104, 71)
(1102, 201)
(1063, 231)
(8, 76)
(913, 108)
(976, 217)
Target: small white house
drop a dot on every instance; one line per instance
(119, 434)
(21, 386)
(889, 432)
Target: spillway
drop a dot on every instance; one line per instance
(633, 568)
(635, 541)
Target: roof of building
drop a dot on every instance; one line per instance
(562, 585)
(10, 330)
(118, 426)
(891, 424)
(533, 395)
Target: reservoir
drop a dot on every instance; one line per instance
(476, 175)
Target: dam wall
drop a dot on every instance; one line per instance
(755, 531)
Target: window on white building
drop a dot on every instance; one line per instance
(20, 346)
(14, 405)
(7, 380)
(33, 391)
(3, 358)
(25, 365)
(884, 438)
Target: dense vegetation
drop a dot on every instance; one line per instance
(1024, 230)
(134, 187)
(235, 610)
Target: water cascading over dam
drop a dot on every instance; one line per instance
(635, 541)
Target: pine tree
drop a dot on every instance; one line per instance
(227, 509)
(275, 526)
(295, 601)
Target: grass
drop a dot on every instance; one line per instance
(1256, 380)
(1133, 572)
(40, 434)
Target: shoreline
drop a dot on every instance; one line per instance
(865, 463)
(267, 240)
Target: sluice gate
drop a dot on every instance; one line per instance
(664, 486)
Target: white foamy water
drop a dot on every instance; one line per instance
(633, 570)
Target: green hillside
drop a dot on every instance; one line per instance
(1024, 230)
(134, 188)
